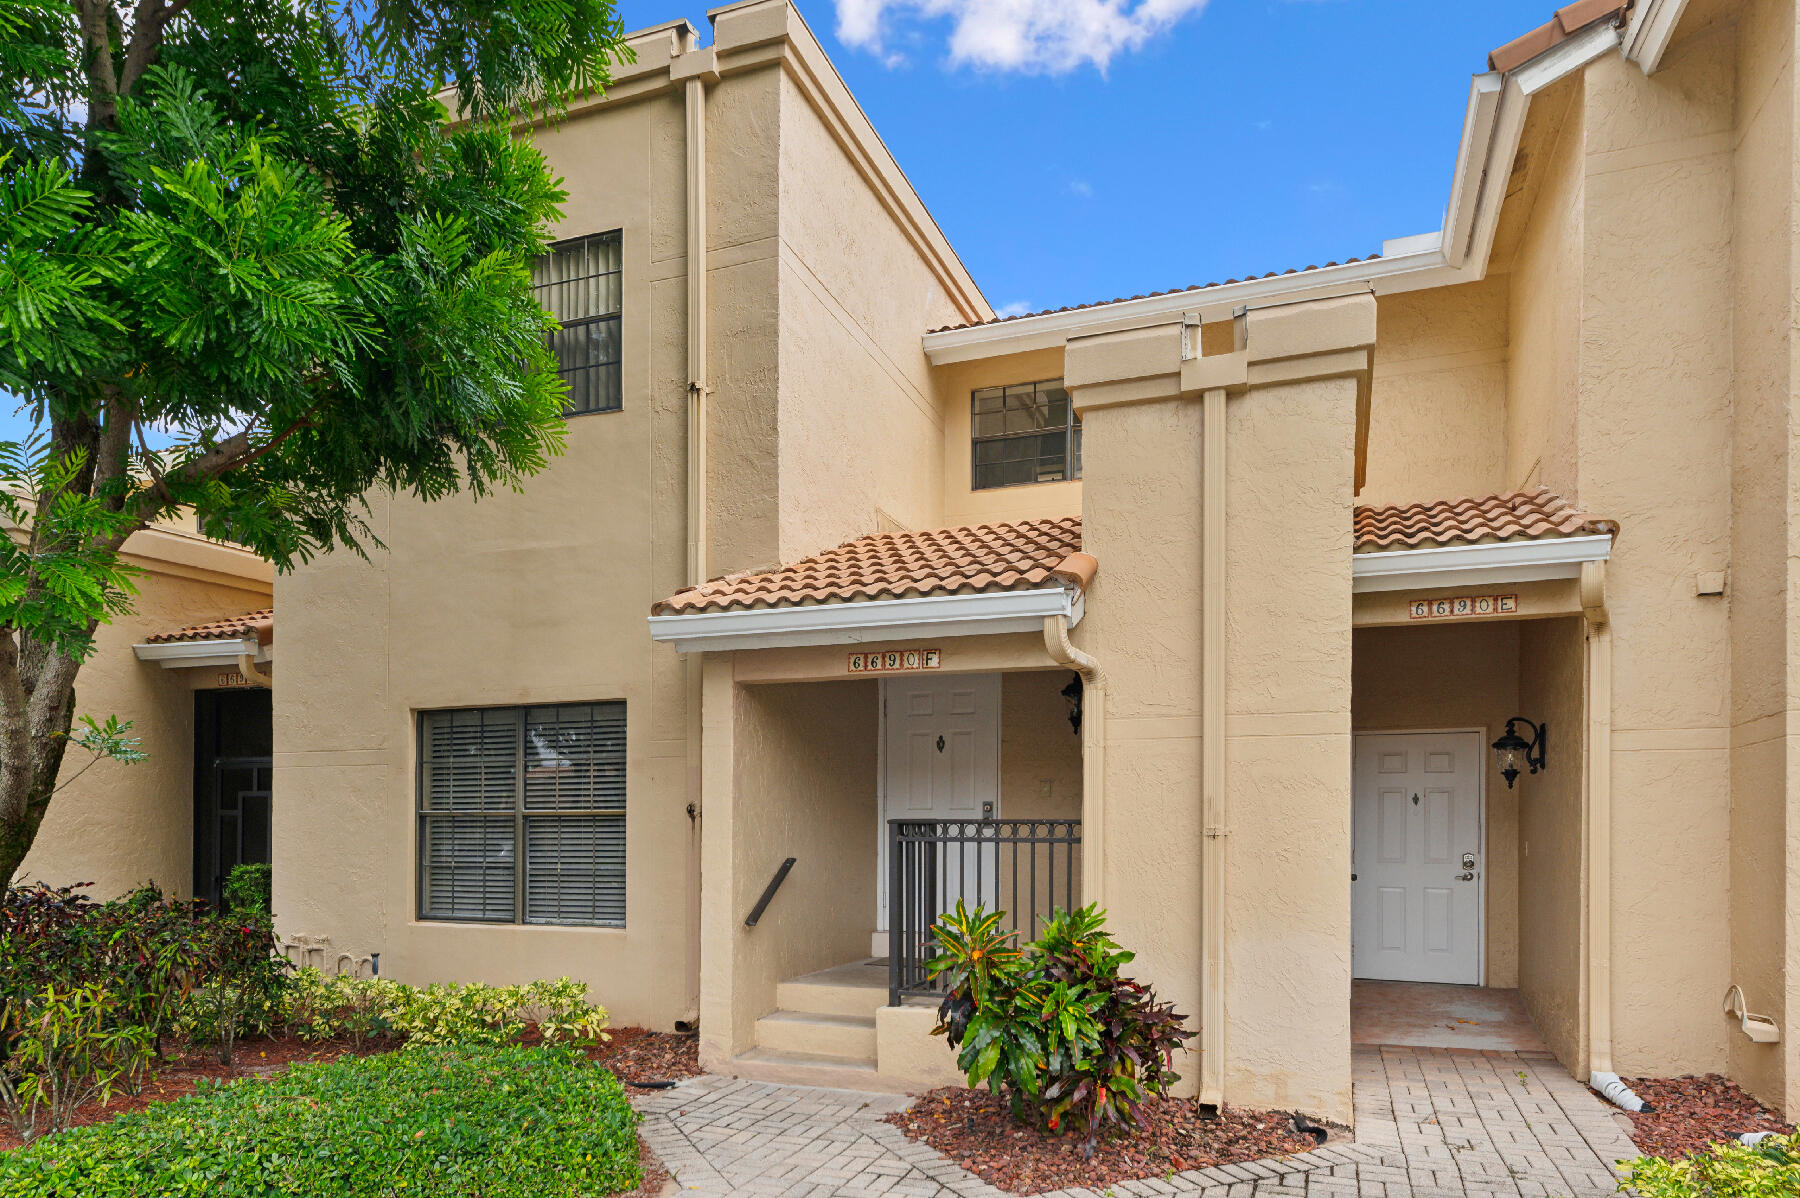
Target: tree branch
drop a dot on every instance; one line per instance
(152, 18)
(103, 84)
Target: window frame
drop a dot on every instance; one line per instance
(617, 318)
(423, 815)
(1071, 430)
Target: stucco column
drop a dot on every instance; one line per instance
(1222, 612)
(718, 973)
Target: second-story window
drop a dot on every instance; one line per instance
(578, 282)
(1024, 433)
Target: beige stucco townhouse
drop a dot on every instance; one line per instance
(1205, 605)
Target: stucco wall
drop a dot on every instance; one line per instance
(1763, 757)
(1656, 402)
(539, 596)
(1437, 424)
(1142, 521)
(1040, 754)
(806, 788)
(1544, 300)
(1552, 868)
(1288, 694)
(1457, 677)
(860, 423)
(119, 826)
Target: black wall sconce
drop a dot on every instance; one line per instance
(1072, 693)
(1511, 748)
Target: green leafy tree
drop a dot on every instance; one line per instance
(294, 235)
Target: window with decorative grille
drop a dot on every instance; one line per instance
(1023, 433)
(522, 814)
(578, 282)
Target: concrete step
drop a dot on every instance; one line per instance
(847, 990)
(809, 1069)
(843, 1038)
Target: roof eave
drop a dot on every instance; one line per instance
(185, 655)
(1496, 562)
(868, 621)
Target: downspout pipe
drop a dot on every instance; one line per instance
(696, 68)
(1214, 818)
(1093, 752)
(1599, 841)
(255, 674)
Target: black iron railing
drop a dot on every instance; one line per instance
(762, 904)
(1026, 868)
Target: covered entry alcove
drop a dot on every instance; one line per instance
(1473, 921)
(888, 727)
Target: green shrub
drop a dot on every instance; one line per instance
(1073, 1044)
(66, 1048)
(498, 1122)
(247, 888)
(1769, 1170)
(322, 1006)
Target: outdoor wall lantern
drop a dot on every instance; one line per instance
(1511, 748)
(1072, 693)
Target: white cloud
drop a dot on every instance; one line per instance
(1016, 308)
(1081, 188)
(1020, 35)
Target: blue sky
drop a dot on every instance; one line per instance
(1228, 137)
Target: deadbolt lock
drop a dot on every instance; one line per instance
(1468, 860)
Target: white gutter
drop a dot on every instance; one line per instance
(1479, 565)
(1458, 253)
(186, 655)
(868, 621)
(1651, 30)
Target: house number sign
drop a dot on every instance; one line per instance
(896, 661)
(1462, 605)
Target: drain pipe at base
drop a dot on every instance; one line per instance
(1598, 638)
(1093, 751)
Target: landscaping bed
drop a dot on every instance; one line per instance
(1692, 1112)
(639, 1055)
(187, 1066)
(434, 1121)
(975, 1129)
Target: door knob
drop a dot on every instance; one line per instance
(1465, 877)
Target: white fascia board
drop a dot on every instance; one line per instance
(186, 655)
(1492, 127)
(868, 621)
(1651, 30)
(1478, 565)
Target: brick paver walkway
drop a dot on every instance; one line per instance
(1430, 1123)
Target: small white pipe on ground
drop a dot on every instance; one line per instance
(1613, 1088)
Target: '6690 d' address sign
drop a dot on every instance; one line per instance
(896, 661)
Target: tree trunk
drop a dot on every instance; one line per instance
(28, 771)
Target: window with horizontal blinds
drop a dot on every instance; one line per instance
(580, 282)
(522, 814)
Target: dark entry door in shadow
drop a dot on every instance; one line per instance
(233, 741)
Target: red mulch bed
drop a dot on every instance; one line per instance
(640, 1055)
(1688, 1113)
(976, 1130)
(189, 1065)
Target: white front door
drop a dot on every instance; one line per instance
(942, 759)
(1417, 857)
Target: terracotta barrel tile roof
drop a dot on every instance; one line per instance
(1029, 555)
(1539, 514)
(234, 628)
(1571, 18)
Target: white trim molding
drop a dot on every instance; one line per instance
(1651, 30)
(1479, 565)
(188, 655)
(868, 621)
